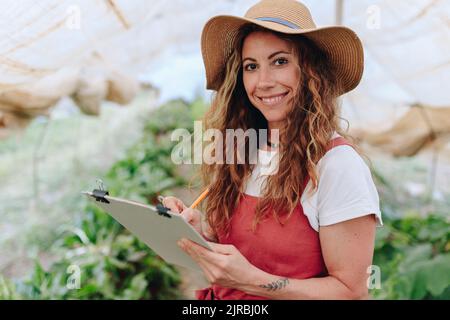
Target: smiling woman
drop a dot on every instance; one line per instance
(305, 230)
(271, 75)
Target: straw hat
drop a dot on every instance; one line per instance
(341, 44)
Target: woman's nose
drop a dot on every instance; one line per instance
(265, 78)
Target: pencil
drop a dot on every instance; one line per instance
(200, 198)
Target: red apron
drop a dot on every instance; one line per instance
(291, 250)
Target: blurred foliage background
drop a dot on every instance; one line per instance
(62, 229)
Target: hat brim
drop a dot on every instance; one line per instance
(341, 44)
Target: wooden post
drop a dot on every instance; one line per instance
(339, 11)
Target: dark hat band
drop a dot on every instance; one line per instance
(279, 21)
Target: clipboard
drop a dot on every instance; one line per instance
(156, 226)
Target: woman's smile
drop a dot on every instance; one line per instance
(273, 100)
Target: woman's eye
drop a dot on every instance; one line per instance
(250, 67)
(280, 61)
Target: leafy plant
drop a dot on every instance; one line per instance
(99, 258)
(8, 290)
(112, 264)
(414, 256)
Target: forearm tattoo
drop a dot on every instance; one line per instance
(276, 285)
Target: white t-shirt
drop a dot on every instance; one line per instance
(345, 188)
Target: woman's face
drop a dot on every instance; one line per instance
(270, 74)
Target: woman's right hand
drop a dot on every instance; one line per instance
(192, 216)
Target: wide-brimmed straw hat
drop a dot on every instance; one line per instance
(341, 44)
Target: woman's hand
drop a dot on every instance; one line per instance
(174, 204)
(192, 216)
(225, 266)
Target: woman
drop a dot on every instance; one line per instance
(305, 230)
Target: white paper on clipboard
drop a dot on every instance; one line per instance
(159, 232)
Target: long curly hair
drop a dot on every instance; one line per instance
(310, 124)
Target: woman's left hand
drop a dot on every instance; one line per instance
(225, 266)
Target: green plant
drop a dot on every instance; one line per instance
(173, 115)
(8, 290)
(111, 262)
(414, 256)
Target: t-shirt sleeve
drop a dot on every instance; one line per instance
(346, 189)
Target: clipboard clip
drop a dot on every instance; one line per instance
(100, 193)
(162, 211)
